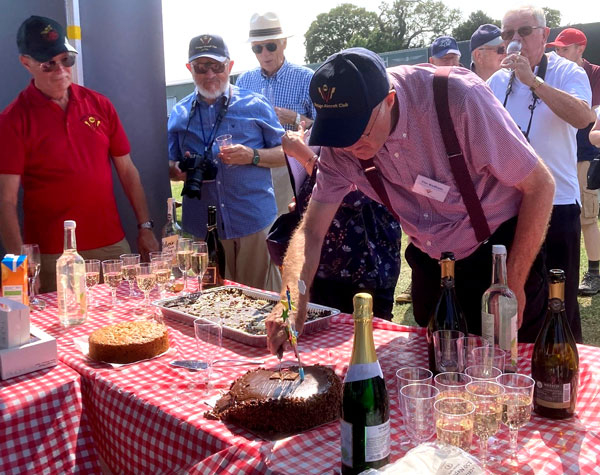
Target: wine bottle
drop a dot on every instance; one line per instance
(70, 281)
(555, 361)
(447, 314)
(170, 236)
(365, 423)
(499, 311)
(215, 270)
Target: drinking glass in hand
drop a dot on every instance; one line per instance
(32, 251)
(92, 278)
(208, 339)
(161, 267)
(146, 280)
(516, 408)
(130, 261)
(486, 395)
(113, 275)
(199, 261)
(454, 421)
(448, 349)
(184, 259)
(417, 407)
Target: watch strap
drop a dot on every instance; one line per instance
(146, 225)
(255, 157)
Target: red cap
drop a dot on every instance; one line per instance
(568, 37)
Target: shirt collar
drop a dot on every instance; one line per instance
(400, 132)
(278, 73)
(37, 97)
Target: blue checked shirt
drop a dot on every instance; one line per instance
(287, 88)
(243, 194)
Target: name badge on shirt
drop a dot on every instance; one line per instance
(430, 188)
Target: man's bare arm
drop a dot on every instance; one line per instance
(595, 134)
(238, 154)
(532, 223)
(10, 232)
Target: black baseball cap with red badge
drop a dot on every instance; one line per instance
(42, 38)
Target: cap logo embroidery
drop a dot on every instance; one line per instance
(206, 39)
(445, 42)
(49, 33)
(326, 93)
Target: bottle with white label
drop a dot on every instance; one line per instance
(555, 360)
(365, 423)
(170, 235)
(70, 281)
(499, 311)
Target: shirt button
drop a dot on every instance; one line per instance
(396, 155)
(425, 215)
(404, 135)
(429, 243)
(222, 205)
(218, 182)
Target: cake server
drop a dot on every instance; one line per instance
(196, 365)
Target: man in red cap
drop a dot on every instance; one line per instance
(570, 44)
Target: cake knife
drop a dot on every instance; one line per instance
(292, 334)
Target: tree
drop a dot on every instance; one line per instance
(552, 17)
(465, 30)
(342, 27)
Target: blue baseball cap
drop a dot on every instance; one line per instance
(345, 90)
(486, 35)
(444, 45)
(208, 46)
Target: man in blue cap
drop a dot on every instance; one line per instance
(445, 52)
(487, 51)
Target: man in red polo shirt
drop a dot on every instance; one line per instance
(58, 141)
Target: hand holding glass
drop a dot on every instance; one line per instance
(32, 251)
(92, 278)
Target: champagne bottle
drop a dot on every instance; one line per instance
(365, 424)
(70, 281)
(215, 271)
(555, 361)
(499, 310)
(447, 314)
(170, 235)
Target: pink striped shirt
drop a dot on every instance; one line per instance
(497, 155)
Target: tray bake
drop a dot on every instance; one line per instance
(242, 312)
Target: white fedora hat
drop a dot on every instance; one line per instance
(265, 27)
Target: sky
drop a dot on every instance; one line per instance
(184, 19)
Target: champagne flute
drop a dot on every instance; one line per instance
(486, 395)
(199, 261)
(454, 421)
(32, 251)
(161, 267)
(92, 278)
(146, 280)
(130, 261)
(113, 275)
(516, 408)
(184, 259)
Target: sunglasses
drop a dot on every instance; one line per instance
(66, 62)
(202, 68)
(257, 49)
(498, 50)
(523, 32)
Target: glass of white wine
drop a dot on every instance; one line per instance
(454, 421)
(130, 261)
(516, 409)
(32, 251)
(92, 278)
(184, 259)
(487, 397)
(113, 275)
(161, 266)
(146, 280)
(199, 261)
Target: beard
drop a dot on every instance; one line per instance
(214, 94)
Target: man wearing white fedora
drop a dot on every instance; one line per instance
(284, 84)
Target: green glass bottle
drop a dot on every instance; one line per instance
(365, 424)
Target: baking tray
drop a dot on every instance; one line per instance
(319, 315)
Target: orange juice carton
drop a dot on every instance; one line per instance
(14, 323)
(14, 278)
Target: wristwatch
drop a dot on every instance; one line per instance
(537, 82)
(255, 157)
(146, 225)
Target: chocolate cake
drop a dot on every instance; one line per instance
(263, 402)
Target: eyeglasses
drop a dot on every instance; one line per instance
(202, 68)
(523, 32)
(498, 50)
(257, 49)
(366, 136)
(66, 62)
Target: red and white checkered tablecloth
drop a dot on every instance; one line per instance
(41, 424)
(141, 426)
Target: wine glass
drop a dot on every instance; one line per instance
(184, 259)
(469, 343)
(516, 408)
(32, 251)
(454, 421)
(514, 47)
(417, 407)
(451, 384)
(130, 261)
(486, 395)
(208, 340)
(489, 355)
(161, 267)
(199, 261)
(448, 349)
(92, 278)
(480, 372)
(113, 275)
(146, 280)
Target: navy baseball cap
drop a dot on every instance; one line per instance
(444, 45)
(345, 90)
(486, 35)
(208, 46)
(42, 38)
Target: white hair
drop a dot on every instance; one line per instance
(537, 12)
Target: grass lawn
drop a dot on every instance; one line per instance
(589, 306)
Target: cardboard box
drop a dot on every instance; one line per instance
(38, 353)
(14, 278)
(14, 323)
